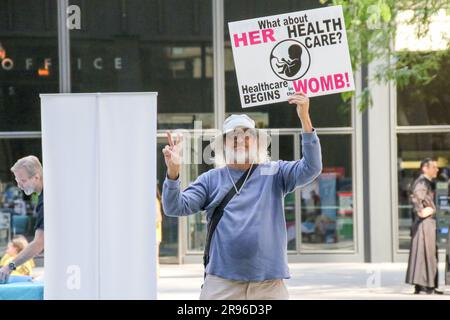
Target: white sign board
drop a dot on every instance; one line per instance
(99, 157)
(279, 55)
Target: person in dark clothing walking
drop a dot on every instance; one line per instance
(422, 269)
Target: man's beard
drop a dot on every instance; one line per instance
(28, 191)
(240, 156)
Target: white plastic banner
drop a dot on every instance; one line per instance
(99, 195)
(279, 55)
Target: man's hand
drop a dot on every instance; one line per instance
(172, 156)
(34, 248)
(4, 274)
(302, 102)
(426, 212)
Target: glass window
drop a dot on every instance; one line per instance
(412, 148)
(162, 46)
(326, 111)
(169, 243)
(197, 223)
(327, 203)
(426, 104)
(28, 61)
(287, 152)
(15, 206)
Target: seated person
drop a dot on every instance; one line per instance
(15, 246)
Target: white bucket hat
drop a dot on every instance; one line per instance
(239, 121)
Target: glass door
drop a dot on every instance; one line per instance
(168, 250)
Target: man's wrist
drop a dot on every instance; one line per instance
(304, 116)
(306, 124)
(173, 176)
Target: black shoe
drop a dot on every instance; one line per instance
(417, 289)
(433, 291)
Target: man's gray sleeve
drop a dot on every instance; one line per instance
(182, 203)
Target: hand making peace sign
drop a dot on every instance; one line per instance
(172, 155)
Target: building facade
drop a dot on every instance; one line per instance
(357, 210)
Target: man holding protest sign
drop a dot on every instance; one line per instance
(246, 253)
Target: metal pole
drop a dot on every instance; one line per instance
(63, 48)
(219, 62)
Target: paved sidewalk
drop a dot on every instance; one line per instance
(312, 281)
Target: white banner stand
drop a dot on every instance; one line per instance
(99, 195)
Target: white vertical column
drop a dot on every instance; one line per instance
(100, 189)
(69, 143)
(380, 184)
(127, 126)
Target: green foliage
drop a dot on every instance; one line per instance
(371, 29)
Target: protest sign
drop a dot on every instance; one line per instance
(279, 55)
